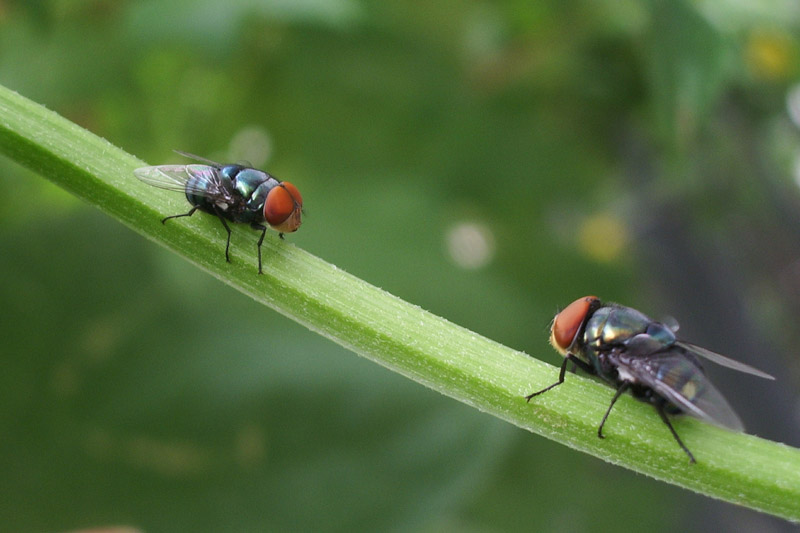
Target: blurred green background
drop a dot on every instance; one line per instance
(489, 161)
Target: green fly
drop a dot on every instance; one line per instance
(631, 352)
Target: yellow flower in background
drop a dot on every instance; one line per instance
(602, 237)
(770, 54)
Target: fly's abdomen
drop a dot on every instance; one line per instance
(197, 189)
(682, 376)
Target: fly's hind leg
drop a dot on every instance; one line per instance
(663, 415)
(190, 213)
(228, 229)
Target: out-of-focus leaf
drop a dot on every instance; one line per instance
(688, 62)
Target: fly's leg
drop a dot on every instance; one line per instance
(261, 240)
(619, 393)
(221, 219)
(663, 415)
(190, 213)
(567, 360)
(556, 384)
(228, 229)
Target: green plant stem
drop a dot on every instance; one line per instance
(738, 468)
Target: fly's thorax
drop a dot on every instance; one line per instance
(249, 180)
(253, 185)
(614, 325)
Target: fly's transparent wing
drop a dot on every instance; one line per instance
(198, 158)
(722, 360)
(198, 180)
(675, 377)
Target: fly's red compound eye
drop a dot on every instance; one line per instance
(568, 322)
(283, 208)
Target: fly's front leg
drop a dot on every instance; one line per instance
(260, 241)
(622, 388)
(569, 358)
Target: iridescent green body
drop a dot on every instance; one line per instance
(635, 354)
(616, 338)
(239, 192)
(613, 325)
(231, 193)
